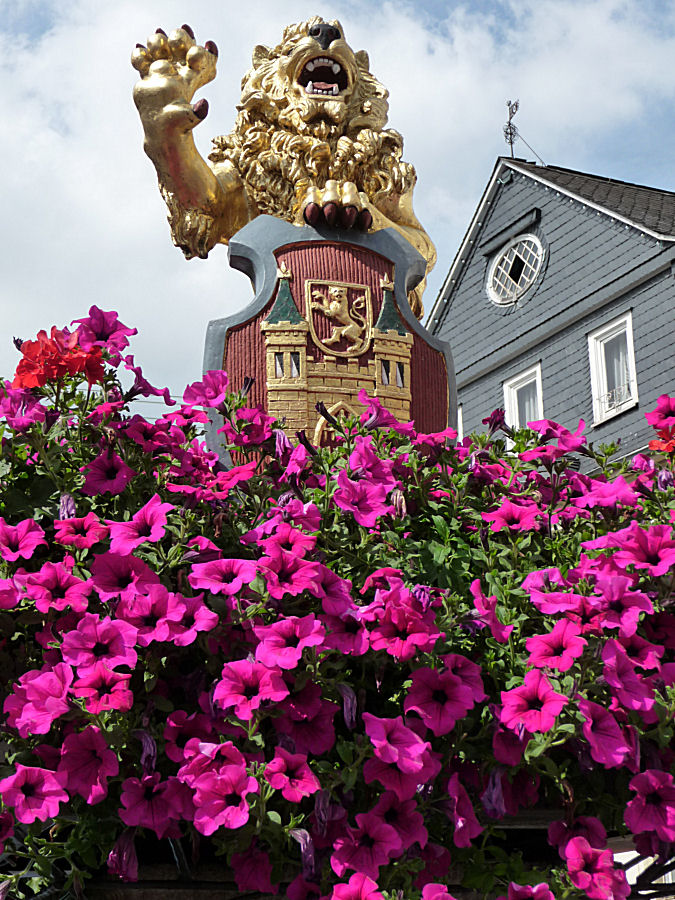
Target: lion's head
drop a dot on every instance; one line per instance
(310, 110)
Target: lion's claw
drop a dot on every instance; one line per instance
(338, 205)
(211, 47)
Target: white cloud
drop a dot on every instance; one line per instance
(82, 219)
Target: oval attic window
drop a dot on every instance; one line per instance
(515, 269)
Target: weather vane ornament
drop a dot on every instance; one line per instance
(510, 129)
(309, 150)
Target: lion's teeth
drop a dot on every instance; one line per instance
(335, 88)
(310, 87)
(336, 68)
(310, 66)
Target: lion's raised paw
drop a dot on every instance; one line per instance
(172, 68)
(337, 205)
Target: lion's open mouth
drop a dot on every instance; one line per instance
(323, 75)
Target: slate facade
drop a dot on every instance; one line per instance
(591, 334)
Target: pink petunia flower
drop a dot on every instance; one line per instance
(104, 689)
(253, 871)
(629, 688)
(222, 576)
(244, 685)
(35, 794)
(649, 548)
(558, 649)
(435, 891)
(513, 516)
(486, 613)
(404, 817)
(365, 848)
(533, 706)
(196, 617)
(395, 744)
(107, 474)
(20, 541)
(102, 328)
(359, 887)
(663, 416)
(106, 640)
(220, 799)
(148, 524)
(290, 774)
(81, 533)
(653, 809)
(55, 587)
(560, 833)
(86, 763)
(282, 643)
(441, 699)
(286, 573)
(151, 803)
(307, 719)
(209, 392)
(606, 740)
(118, 576)
(461, 813)
(38, 699)
(367, 502)
(154, 614)
(593, 872)
(539, 891)
(122, 859)
(404, 785)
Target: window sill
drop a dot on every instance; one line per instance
(612, 414)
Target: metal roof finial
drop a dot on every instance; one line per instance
(510, 130)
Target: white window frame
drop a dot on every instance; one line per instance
(460, 422)
(604, 407)
(513, 385)
(519, 290)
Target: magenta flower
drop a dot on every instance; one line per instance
(593, 871)
(404, 818)
(395, 744)
(122, 860)
(222, 576)
(560, 833)
(81, 533)
(486, 613)
(432, 890)
(220, 799)
(439, 698)
(513, 516)
(10, 593)
(539, 891)
(290, 774)
(155, 614)
(607, 494)
(620, 606)
(606, 740)
(151, 803)
(286, 573)
(87, 762)
(39, 698)
(402, 784)
(664, 414)
(359, 887)
(210, 391)
(19, 407)
(113, 576)
(107, 474)
(180, 727)
(366, 847)
(649, 548)
(281, 643)
(286, 537)
(55, 587)
(104, 689)
(196, 617)
(628, 687)
(244, 685)
(308, 720)
(653, 809)
(346, 634)
(148, 524)
(461, 813)
(253, 428)
(366, 501)
(558, 649)
(35, 794)
(253, 871)
(107, 640)
(376, 416)
(102, 328)
(20, 541)
(534, 706)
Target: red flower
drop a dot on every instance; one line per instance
(52, 358)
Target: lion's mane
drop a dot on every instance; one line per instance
(280, 147)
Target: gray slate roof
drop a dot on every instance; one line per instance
(647, 207)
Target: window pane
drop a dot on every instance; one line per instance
(295, 365)
(527, 403)
(616, 367)
(279, 365)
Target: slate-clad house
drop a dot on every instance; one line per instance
(561, 302)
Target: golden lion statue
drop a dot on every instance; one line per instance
(309, 141)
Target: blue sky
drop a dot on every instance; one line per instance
(83, 221)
